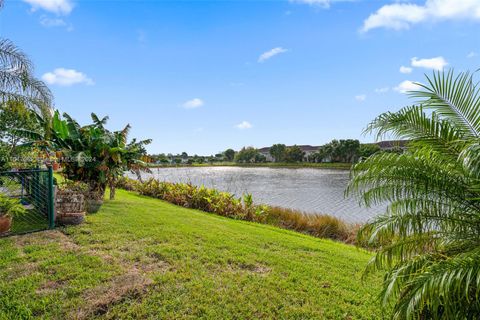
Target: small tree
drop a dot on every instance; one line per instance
(278, 152)
(229, 154)
(246, 155)
(294, 154)
(15, 116)
(368, 149)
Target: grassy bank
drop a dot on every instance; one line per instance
(243, 208)
(144, 258)
(345, 166)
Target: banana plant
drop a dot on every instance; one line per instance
(91, 153)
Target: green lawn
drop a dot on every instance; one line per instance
(144, 258)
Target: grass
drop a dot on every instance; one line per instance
(326, 165)
(140, 257)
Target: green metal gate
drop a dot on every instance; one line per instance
(34, 189)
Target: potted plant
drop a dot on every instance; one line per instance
(9, 208)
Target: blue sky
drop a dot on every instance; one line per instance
(203, 76)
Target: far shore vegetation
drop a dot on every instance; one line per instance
(322, 165)
(339, 154)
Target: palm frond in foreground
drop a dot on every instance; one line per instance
(429, 237)
(17, 82)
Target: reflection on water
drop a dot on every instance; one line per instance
(309, 190)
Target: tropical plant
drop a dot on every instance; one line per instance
(10, 207)
(429, 237)
(17, 82)
(90, 154)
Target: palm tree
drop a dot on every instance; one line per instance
(428, 240)
(17, 82)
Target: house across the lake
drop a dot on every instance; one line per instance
(308, 149)
(393, 145)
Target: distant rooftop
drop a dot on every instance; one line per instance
(391, 144)
(304, 147)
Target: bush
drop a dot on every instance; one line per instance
(10, 207)
(127, 184)
(227, 205)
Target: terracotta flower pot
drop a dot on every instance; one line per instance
(5, 224)
(55, 166)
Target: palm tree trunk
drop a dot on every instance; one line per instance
(112, 190)
(139, 175)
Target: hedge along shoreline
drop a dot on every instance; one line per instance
(243, 208)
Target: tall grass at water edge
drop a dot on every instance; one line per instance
(243, 208)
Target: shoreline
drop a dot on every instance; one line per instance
(338, 166)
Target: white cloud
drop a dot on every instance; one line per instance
(55, 6)
(437, 63)
(399, 16)
(244, 125)
(321, 3)
(361, 97)
(194, 103)
(406, 86)
(66, 77)
(472, 54)
(49, 22)
(382, 90)
(271, 53)
(404, 69)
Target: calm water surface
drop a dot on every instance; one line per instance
(309, 190)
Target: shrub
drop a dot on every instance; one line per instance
(127, 184)
(10, 207)
(242, 208)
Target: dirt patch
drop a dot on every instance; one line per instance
(49, 287)
(46, 238)
(256, 268)
(98, 300)
(20, 270)
(136, 272)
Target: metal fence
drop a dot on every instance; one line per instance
(34, 189)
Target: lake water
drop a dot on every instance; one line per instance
(309, 190)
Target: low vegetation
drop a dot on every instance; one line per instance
(141, 258)
(242, 208)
